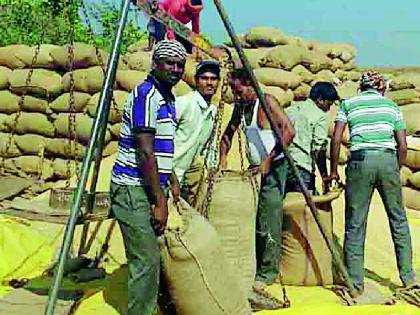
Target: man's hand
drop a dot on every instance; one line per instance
(326, 181)
(334, 179)
(160, 216)
(175, 187)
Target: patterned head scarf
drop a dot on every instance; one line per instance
(372, 80)
(169, 48)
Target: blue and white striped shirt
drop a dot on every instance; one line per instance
(149, 108)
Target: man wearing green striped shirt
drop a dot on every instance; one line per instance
(378, 149)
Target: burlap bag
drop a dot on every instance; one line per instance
(30, 144)
(61, 148)
(283, 97)
(139, 61)
(85, 80)
(4, 77)
(82, 128)
(43, 83)
(7, 150)
(36, 123)
(43, 58)
(413, 159)
(403, 97)
(277, 77)
(301, 92)
(232, 212)
(31, 165)
(283, 57)
(400, 83)
(414, 180)
(5, 123)
(405, 174)
(306, 259)
(348, 89)
(351, 65)
(305, 75)
(62, 103)
(115, 130)
(84, 56)
(129, 79)
(189, 72)
(181, 88)
(110, 148)
(345, 52)
(411, 198)
(9, 102)
(411, 114)
(344, 154)
(336, 64)
(316, 61)
(324, 76)
(262, 36)
(37, 105)
(200, 279)
(8, 56)
(117, 109)
(61, 168)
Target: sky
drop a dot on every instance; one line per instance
(384, 32)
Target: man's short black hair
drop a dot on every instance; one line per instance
(324, 91)
(196, 2)
(242, 75)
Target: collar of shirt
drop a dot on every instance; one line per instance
(371, 91)
(202, 103)
(166, 93)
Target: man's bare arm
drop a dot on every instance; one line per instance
(335, 148)
(281, 119)
(400, 138)
(148, 165)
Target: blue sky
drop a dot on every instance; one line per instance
(385, 32)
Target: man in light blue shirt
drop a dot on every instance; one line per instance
(195, 123)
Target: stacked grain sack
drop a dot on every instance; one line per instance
(40, 127)
(405, 91)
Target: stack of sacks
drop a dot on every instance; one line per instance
(410, 174)
(287, 66)
(41, 133)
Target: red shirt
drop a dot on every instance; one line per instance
(184, 12)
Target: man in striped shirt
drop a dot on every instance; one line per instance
(378, 148)
(142, 172)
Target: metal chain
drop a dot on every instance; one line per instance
(216, 136)
(72, 145)
(22, 99)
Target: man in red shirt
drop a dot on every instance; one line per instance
(184, 11)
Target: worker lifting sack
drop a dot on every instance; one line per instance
(199, 278)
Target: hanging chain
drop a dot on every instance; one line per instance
(22, 99)
(216, 137)
(72, 145)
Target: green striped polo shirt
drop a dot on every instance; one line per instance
(372, 120)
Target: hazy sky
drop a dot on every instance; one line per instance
(385, 32)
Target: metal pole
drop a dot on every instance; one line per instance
(335, 255)
(103, 110)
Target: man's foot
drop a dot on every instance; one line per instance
(262, 300)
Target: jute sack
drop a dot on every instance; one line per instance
(305, 75)
(189, 72)
(345, 52)
(316, 61)
(283, 97)
(110, 148)
(277, 77)
(301, 93)
(400, 83)
(36, 123)
(30, 144)
(324, 76)
(405, 174)
(117, 109)
(411, 198)
(61, 148)
(85, 80)
(332, 113)
(8, 56)
(411, 114)
(43, 59)
(351, 65)
(4, 123)
(414, 180)
(200, 279)
(37, 105)
(232, 212)
(62, 103)
(413, 159)
(84, 56)
(348, 89)
(4, 77)
(31, 164)
(404, 97)
(7, 150)
(305, 258)
(283, 57)
(262, 36)
(139, 61)
(61, 168)
(344, 154)
(83, 127)
(129, 79)
(336, 64)
(44, 83)
(9, 102)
